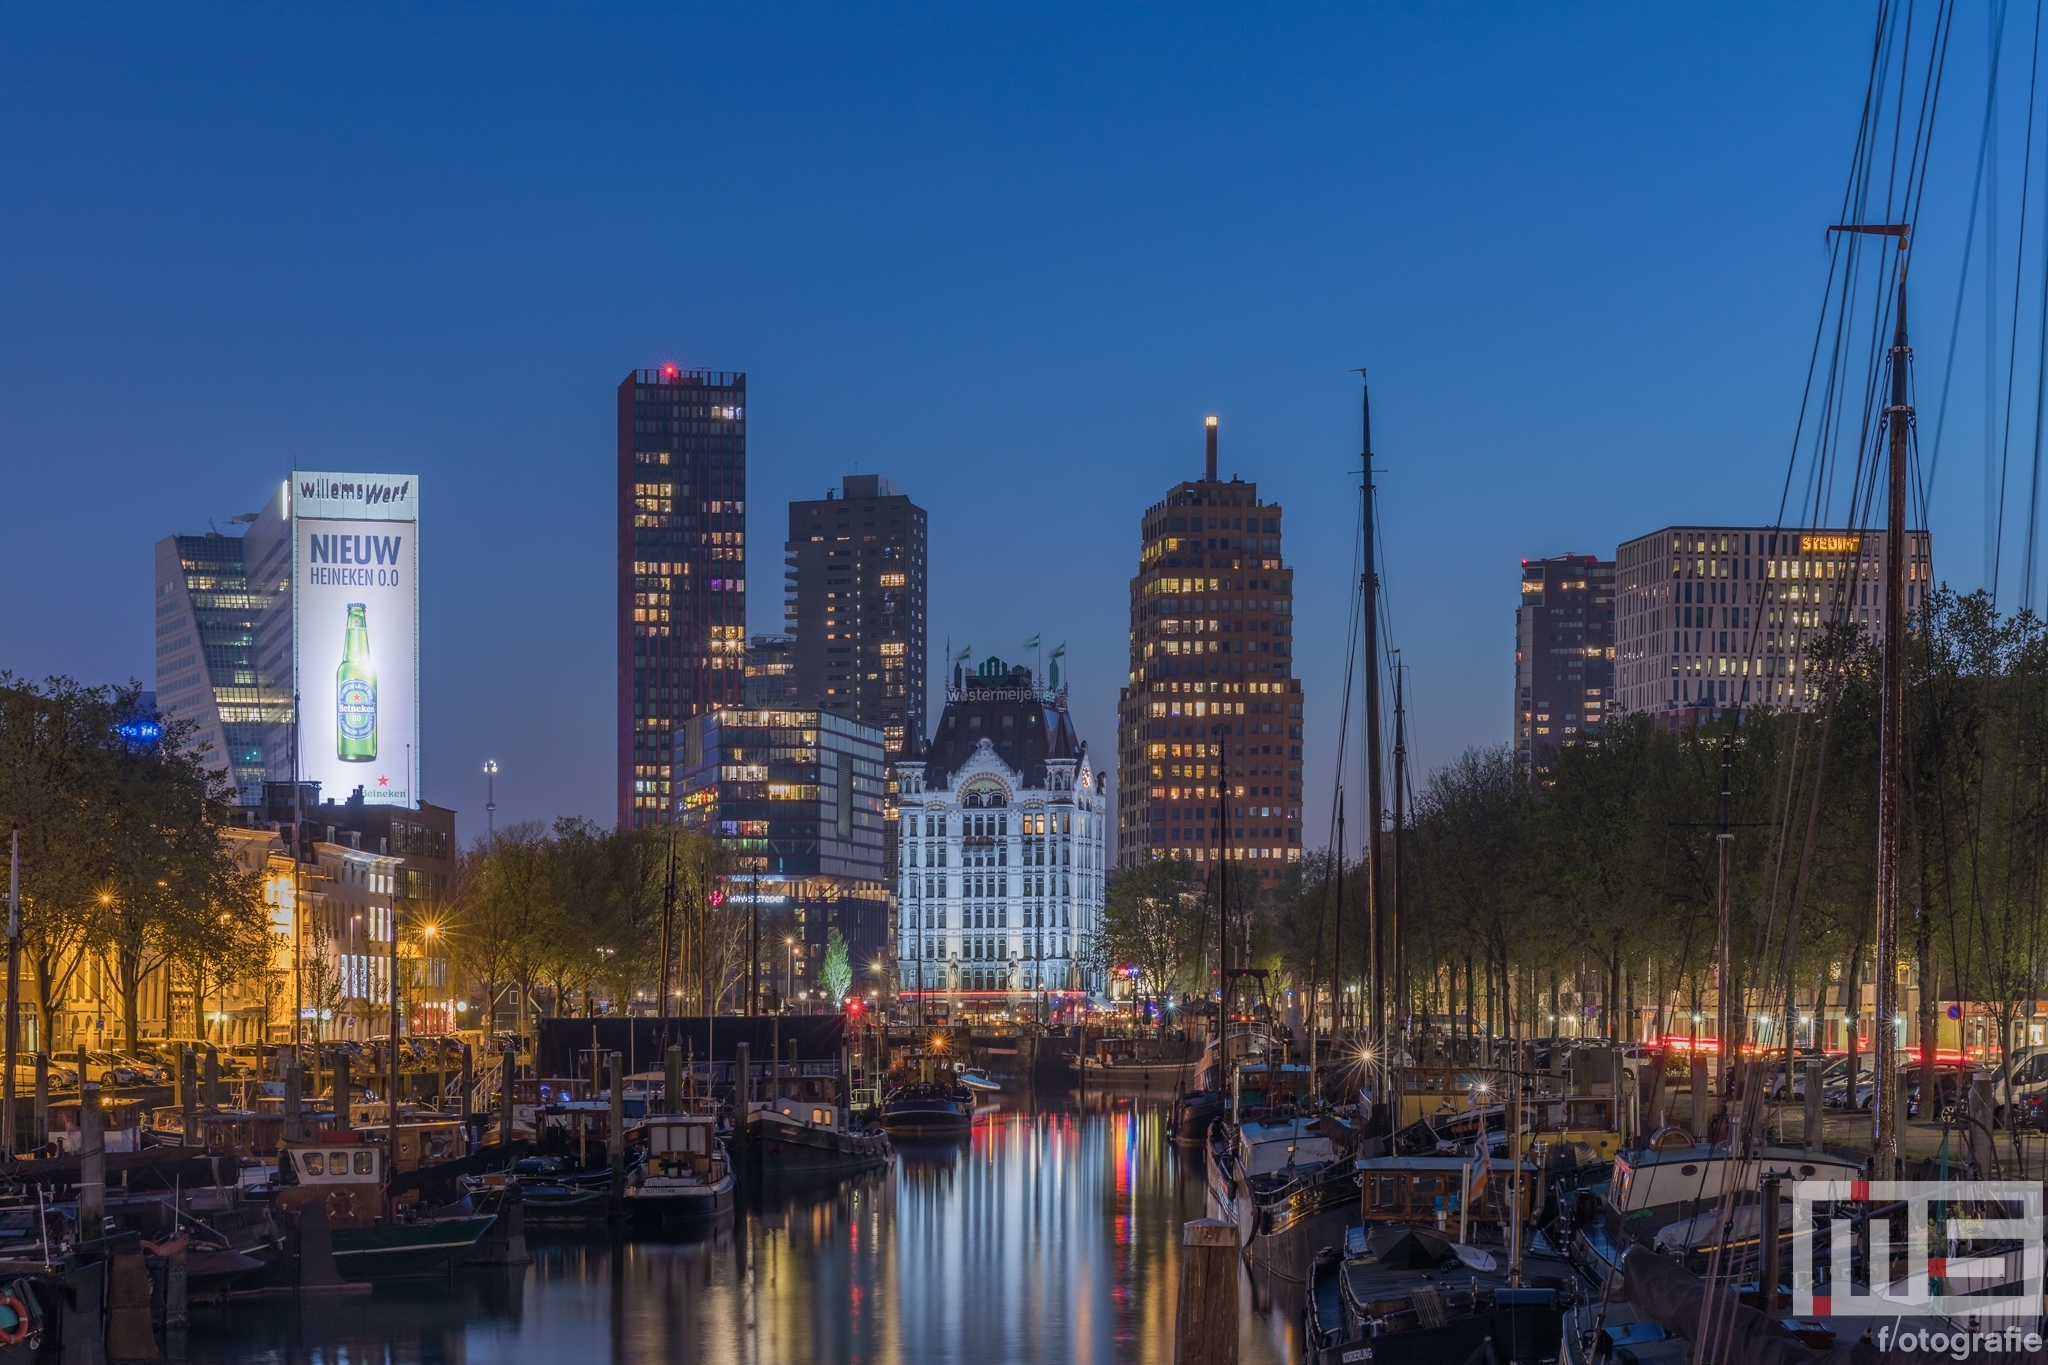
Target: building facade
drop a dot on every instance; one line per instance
(368, 868)
(1003, 834)
(771, 673)
(682, 571)
(1726, 616)
(1564, 657)
(1209, 736)
(855, 601)
(223, 644)
(796, 797)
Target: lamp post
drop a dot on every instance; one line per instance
(789, 973)
(491, 798)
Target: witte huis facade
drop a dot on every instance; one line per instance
(1001, 827)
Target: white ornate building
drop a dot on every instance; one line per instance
(1001, 822)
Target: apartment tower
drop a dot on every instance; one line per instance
(854, 585)
(682, 571)
(1564, 657)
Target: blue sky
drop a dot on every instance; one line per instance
(1007, 256)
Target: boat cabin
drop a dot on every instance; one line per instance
(424, 1144)
(121, 1125)
(1264, 1148)
(1430, 1092)
(1555, 1120)
(1423, 1189)
(339, 1171)
(1674, 1170)
(675, 1141)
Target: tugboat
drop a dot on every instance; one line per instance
(688, 1175)
(346, 1176)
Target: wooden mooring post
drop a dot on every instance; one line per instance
(1205, 1327)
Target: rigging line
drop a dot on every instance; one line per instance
(1839, 262)
(2019, 253)
(1986, 178)
(1353, 623)
(2040, 412)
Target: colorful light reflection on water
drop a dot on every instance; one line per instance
(1044, 1236)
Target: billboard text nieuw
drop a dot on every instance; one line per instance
(356, 631)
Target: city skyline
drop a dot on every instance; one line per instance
(1131, 283)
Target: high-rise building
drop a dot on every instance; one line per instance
(771, 673)
(223, 644)
(1002, 830)
(1724, 616)
(682, 571)
(796, 797)
(1209, 733)
(1564, 656)
(855, 590)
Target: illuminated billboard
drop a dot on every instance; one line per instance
(355, 633)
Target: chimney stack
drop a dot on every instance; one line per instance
(1212, 449)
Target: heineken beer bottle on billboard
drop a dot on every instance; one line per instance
(355, 692)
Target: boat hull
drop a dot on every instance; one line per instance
(406, 1249)
(927, 1118)
(697, 1205)
(801, 1149)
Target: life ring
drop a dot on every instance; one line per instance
(15, 1335)
(341, 1208)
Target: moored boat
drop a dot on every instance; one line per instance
(928, 1109)
(346, 1177)
(1287, 1186)
(1399, 1293)
(802, 1137)
(688, 1175)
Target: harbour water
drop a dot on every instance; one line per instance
(1050, 1234)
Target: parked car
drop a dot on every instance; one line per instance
(111, 1068)
(62, 1077)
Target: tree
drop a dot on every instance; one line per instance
(1152, 920)
(836, 976)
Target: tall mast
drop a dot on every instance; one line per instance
(1337, 953)
(1886, 1120)
(1396, 951)
(1724, 1015)
(1368, 588)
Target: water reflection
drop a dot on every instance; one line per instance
(1046, 1235)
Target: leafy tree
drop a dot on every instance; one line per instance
(1152, 920)
(836, 976)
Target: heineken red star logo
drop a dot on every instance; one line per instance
(383, 781)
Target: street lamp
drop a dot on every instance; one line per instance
(789, 974)
(491, 796)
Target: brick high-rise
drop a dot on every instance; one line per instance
(682, 571)
(1209, 727)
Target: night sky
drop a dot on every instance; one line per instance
(1008, 257)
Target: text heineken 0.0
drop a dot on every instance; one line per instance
(355, 692)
